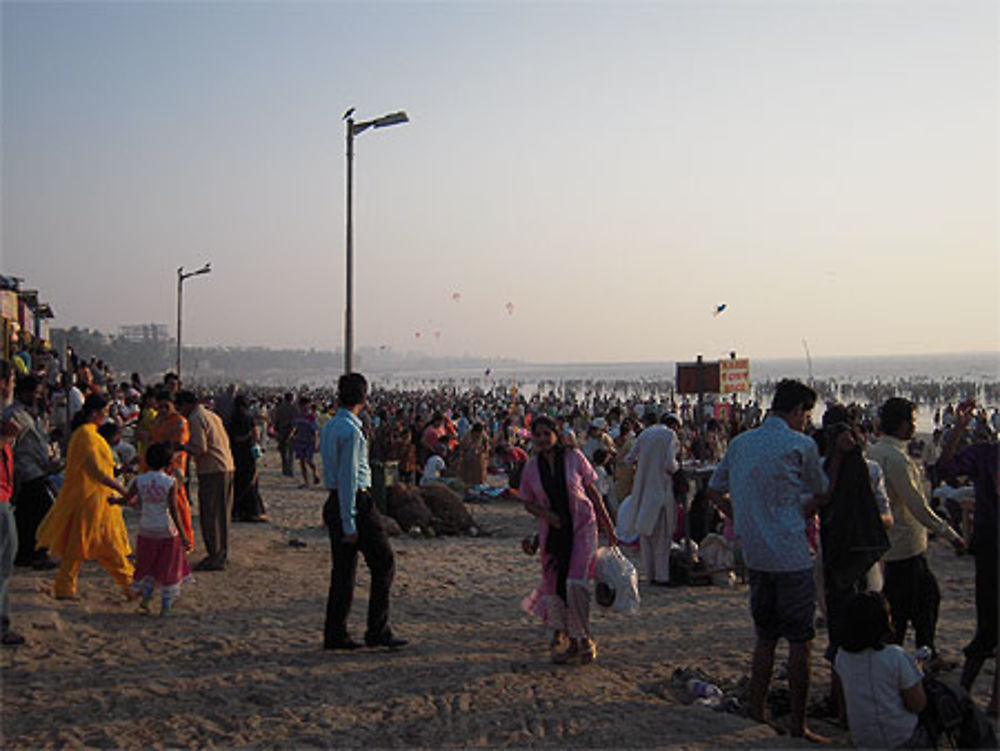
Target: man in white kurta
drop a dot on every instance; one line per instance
(653, 498)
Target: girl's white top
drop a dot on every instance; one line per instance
(154, 519)
(873, 683)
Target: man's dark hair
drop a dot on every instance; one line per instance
(164, 396)
(352, 388)
(27, 384)
(289, 396)
(170, 376)
(184, 398)
(895, 413)
(791, 394)
(867, 623)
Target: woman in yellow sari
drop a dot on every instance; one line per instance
(82, 525)
(170, 426)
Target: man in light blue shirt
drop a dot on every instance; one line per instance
(768, 483)
(354, 524)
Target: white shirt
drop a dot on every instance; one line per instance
(432, 470)
(878, 487)
(75, 402)
(873, 683)
(652, 489)
(603, 482)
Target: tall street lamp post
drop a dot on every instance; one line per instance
(353, 128)
(181, 276)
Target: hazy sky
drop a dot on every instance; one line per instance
(829, 170)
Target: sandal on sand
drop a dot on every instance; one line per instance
(577, 654)
(568, 655)
(12, 639)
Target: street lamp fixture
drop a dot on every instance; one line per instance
(181, 276)
(353, 129)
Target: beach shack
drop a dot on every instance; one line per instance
(24, 319)
(9, 321)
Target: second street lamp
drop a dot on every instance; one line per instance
(181, 276)
(353, 128)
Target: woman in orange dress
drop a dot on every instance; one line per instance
(170, 426)
(82, 525)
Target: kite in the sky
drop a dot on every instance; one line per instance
(437, 334)
(510, 308)
(719, 309)
(416, 334)
(456, 296)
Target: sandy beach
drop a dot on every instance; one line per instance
(242, 665)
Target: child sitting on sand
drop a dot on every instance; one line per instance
(882, 685)
(160, 548)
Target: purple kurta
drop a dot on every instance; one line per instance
(544, 602)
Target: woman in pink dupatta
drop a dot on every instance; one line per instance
(557, 486)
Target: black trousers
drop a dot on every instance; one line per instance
(31, 503)
(285, 452)
(838, 598)
(373, 544)
(914, 597)
(984, 643)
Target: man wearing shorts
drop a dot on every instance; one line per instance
(768, 482)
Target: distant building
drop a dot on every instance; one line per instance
(144, 332)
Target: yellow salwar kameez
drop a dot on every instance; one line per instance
(82, 525)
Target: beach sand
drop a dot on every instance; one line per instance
(241, 663)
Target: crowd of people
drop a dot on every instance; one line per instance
(836, 514)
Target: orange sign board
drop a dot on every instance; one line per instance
(734, 376)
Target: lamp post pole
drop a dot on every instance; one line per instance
(181, 276)
(349, 292)
(353, 128)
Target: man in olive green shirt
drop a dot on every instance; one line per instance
(910, 585)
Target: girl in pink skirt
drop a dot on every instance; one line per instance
(160, 549)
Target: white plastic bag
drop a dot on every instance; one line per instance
(618, 581)
(625, 529)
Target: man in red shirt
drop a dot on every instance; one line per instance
(8, 530)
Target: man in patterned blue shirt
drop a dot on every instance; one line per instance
(770, 480)
(354, 523)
